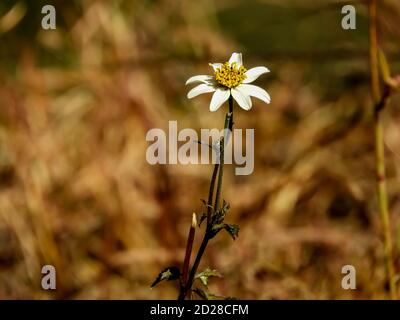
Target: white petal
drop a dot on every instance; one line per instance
(200, 89)
(253, 73)
(255, 91)
(200, 78)
(241, 98)
(218, 98)
(215, 66)
(236, 57)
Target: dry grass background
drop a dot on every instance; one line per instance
(76, 190)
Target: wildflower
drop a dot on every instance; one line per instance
(230, 79)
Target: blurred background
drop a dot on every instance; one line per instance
(76, 191)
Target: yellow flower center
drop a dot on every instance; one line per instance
(228, 75)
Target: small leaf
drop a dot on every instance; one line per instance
(220, 214)
(201, 293)
(204, 294)
(207, 273)
(384, 66)
(168, 274)
(232, 229)
(202, 218)
(217, 228)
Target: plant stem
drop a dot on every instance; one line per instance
(379, 148)
(220, 174)
(230, 114)
(227, 132)
(196, 263)
(211, 194)
(188, 253)
(218, 169)
(185, 287)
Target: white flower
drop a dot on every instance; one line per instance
(230, 78)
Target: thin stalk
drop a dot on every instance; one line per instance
(211, 194)
(188, 284)
(196, 263)
(228, 126)
(379, 149)
(185, 286)
(218, 169)
(188, 253)
(230, 114)
(220, 175)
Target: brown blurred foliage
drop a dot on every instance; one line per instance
(76, 190)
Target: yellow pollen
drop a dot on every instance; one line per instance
(229, 75)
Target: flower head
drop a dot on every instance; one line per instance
(230, 79)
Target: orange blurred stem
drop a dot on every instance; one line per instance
(379, 103)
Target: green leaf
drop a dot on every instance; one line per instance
(204, 294)
(220, 214)
(232, 229)
(384, 66)
(168, 274)
(207, 273)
